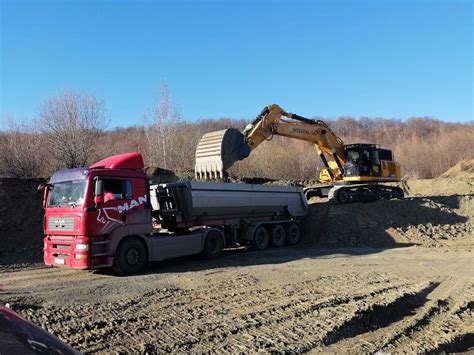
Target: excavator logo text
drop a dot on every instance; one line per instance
(298, 130)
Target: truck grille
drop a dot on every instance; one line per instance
(61, 223)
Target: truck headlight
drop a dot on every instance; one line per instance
(82, 247)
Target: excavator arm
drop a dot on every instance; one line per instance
(218, 151)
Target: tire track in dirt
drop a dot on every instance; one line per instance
(293, 317)
(445, 321)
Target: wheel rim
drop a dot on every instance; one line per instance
(133, 256)
(278, 236)
(261, 239)
(294, 235)
(213, 245)
(342, 196)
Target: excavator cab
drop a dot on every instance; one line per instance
(367, 161)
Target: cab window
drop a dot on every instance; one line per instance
(117, 189)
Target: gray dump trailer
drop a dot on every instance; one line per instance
(207, 217)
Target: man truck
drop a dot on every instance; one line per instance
(107, 215)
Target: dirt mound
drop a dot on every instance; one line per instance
(440, 187)
(158, 175)
(464, 169)
(430, 221)
(21, 214)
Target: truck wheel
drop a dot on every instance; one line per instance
(260, 239)
(131, 257)
(213, 245)
(293, 234)
(277, 235)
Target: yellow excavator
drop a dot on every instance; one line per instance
(352, 173)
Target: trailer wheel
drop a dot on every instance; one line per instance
(293, 235)
(213, 245)
(131, 257)
(260, 239)
(277, 235)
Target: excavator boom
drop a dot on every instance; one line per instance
(218, 151)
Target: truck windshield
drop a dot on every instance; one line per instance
(67, 193)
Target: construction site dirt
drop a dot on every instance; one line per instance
(385, 276)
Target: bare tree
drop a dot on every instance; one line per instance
(72, 123)
(22, 151)
(161, 131)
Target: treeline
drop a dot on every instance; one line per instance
(71, 132)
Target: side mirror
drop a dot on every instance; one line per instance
(45, 188)
(99, 192)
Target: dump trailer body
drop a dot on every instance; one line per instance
(184, 204)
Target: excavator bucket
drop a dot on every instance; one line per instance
(218, 151)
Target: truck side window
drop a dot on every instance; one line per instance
(117, 189)
(127, 189)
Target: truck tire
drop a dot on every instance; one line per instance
(293, 235)
(130, 258)
(277, 235)
(260, 239)
(213, 245)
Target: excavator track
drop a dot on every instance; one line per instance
(349, 193)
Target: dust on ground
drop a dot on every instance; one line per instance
(385, 276)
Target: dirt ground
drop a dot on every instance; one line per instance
(384, 276)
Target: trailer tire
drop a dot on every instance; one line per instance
(277, 235)
(260, 239)
(213, 245)
(293, 234)
(130, 258)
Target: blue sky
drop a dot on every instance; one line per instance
(230, 58)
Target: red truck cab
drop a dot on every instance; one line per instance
(89, 211)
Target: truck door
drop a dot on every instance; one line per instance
(139, 211)
(126, 199)
(117, 197)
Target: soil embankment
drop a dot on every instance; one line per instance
(21, 214)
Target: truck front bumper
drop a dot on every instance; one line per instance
(61, 251)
